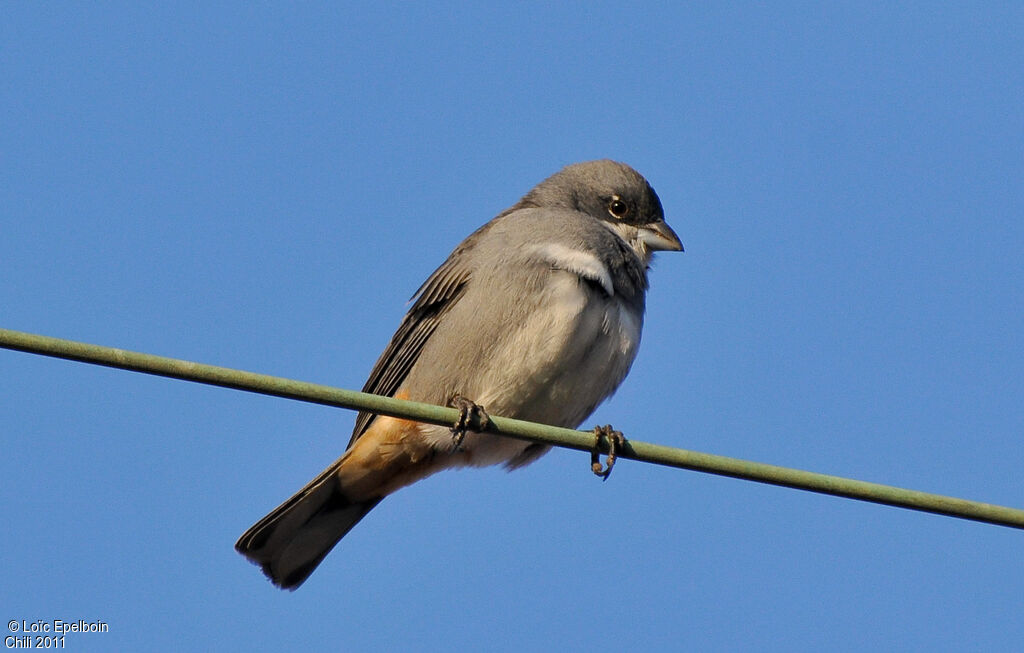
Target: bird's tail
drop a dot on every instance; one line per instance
(292, 540)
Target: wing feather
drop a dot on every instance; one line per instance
(434, 298)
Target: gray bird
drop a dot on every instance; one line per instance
(536, 315)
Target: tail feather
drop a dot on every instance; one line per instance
(291, 541)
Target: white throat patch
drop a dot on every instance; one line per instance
(576, 261)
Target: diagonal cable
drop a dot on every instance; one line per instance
(562, 437)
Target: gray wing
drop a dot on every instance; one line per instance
(434, 298)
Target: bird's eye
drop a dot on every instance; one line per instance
(618, 208)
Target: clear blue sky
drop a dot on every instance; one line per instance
(264, 187)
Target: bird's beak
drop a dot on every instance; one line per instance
(658, 236)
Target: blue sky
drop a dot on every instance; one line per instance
(263, 187)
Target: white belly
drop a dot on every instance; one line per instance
(556, 367)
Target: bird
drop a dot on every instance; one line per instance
(536, 315)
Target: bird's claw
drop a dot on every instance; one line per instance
(472, 417)
(615, 444)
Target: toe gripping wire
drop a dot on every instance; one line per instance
(615, 443)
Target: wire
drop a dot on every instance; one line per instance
(569, 438)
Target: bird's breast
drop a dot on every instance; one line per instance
(565, 356)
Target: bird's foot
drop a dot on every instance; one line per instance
(472, 417)
(615, 444)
